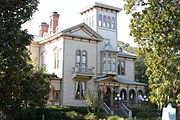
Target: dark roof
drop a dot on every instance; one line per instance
(120, 80)
(126, 54)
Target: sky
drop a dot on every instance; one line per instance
(69, 16)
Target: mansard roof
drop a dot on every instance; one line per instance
(102, 6)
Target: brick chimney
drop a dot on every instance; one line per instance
(43, 29)
(54, 18)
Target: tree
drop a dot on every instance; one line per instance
(21, 86)
(156, 30)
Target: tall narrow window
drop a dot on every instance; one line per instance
(100, 20)
(93, 21)
(90, 21)
(43, 61)
(104, 61)
(109, 22)
(109, 62)
(84, 59)
(121, 68)
(113, 23)
(114, 62)
(104, 21)
(87, 21)
(56, 59)
(80, 90)
(78, 58)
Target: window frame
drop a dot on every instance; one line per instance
(82, 88)
(78, 64)
(120, 67)
(104, 21)
(100, 20)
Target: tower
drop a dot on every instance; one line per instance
(103, 19)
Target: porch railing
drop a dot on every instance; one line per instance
(106, 108)
(82, 70)
(125, 110)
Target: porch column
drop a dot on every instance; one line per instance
(112, 96)
(128, 95)
(112, 100)
(136, 98)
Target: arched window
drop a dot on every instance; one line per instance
(140, 95)
(123, 94)
(109, 22)
(104, 21)
(78, 58)
(100, 20)
(84, 59)
(132, 95)
(113, 23)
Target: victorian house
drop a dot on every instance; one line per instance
(86, 57)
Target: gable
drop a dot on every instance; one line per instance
(82, 30)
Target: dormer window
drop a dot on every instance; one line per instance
(104, 21)
(100, 20)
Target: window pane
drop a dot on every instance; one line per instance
(104, 21)
(78, 58)
(122, 68)
(100, 20)
(80, 90)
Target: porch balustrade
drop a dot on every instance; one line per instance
(82, 73)
(81, 70)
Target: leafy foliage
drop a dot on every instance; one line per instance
(94, 98)
(156, 30)
(21, 86)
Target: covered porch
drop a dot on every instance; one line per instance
(119, 92)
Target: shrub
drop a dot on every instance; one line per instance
(115, 117)
(90, 116)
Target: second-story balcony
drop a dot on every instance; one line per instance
(82, 73)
